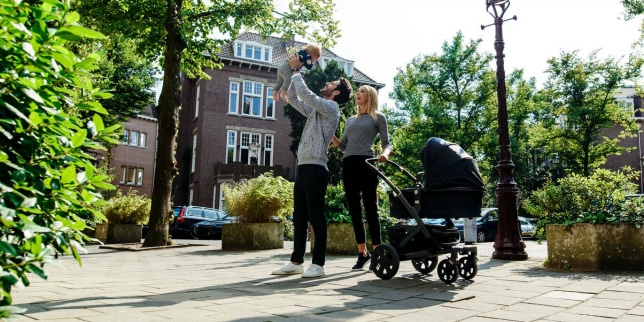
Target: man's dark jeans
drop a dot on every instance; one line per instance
(310, 189)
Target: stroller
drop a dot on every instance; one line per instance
(452, 188)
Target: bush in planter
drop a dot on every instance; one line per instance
(131, 209)
(599, 198)
(337, 211)
(260, 200)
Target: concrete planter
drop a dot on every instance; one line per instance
(118, 233)
(250, 236)
(340, 239)
(595, 247)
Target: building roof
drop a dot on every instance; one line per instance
(280, 55)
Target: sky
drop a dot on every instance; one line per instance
(382, 36)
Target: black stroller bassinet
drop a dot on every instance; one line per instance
(452, 188)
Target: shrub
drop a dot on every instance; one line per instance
(48, 184)
(335, 205)
(599, 198)
(260, 200)
(128, 209)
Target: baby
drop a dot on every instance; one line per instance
(308, 55)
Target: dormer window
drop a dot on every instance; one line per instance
(346, 65)
(254, 51)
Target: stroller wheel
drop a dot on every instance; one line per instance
(385, 261)
(447, 271)
(425, 265)
(467, 267)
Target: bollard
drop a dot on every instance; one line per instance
(469, 230)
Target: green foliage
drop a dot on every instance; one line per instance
(450, 95)
(598, 198)
(128, 209)
(260, 200)
(580, 93)
(185, 37)
(47, 181)
(335, 205)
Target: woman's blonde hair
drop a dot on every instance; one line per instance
(372, 101)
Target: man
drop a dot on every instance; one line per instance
(312, 175)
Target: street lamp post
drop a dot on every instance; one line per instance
(508, 243)
(253, 156)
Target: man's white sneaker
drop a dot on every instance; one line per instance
(289, 269)
(314, 271)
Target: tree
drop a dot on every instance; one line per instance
(315, 79)
(450, 96)
(123, 73)
(184, 36)
(581, 94)
(49, 186)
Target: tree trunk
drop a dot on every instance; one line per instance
(168, 125)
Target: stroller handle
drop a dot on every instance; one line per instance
(371, 162)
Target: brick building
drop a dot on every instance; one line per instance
(133, 160)
(628, 99)
(231, 120)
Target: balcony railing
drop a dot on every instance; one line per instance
(237, 171)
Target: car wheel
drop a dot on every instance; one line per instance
(481, 236)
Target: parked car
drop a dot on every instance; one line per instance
(187, 217)
(527, 227)
(486, 225)
(209, 229)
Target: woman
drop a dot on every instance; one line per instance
(359, 134)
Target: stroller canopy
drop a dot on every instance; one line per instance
(447, 165)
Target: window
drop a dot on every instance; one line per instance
(268, 149)
(131, 175)
(134, 138)
(233, 98)
(254, 51)
(252, 100)
(123, 174)
(246, 140)
(270, 104)
(139, 176)
(142, 139)
(197, 102)
(346, 65)
(126, 136)
(191, 196)
(194, 153)
(231, 143)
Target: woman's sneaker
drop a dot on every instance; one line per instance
(361, 261)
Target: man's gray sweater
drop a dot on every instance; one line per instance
(322, 118)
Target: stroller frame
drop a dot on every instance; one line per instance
(424, 257)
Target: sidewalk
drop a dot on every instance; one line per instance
(204, 283)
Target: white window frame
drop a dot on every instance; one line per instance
(134, 138)
(143, 137)
(123, 174)
(126, 137)
(197, 102)
(245, 139)
(346, 65)
(139, 176)
(269, 143)
(270, 102)
(131, 175)
(242, 48)
(254, 91)
(231, 144)
(193, 162)
(233, 98)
